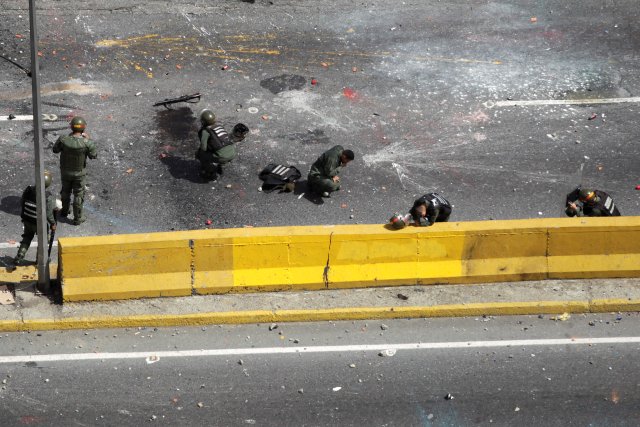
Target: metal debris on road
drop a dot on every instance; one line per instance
(387, 353)
(449, 396)
(337, 388)
(273, 326)
(152, 359)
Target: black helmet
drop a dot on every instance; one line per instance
(207, 118)
(78, 124)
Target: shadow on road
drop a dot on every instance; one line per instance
(10, 205)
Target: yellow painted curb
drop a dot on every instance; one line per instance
(334, 314)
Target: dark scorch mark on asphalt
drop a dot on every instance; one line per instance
(283, 82)
(176, 125)
(315, 136)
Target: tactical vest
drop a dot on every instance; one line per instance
(275, 176)
(74, 154)
(436, 200)
(218, 138)
(605, 205)
(29, 211)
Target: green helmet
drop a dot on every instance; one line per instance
(586, 195)
(78, 124)
(48, 179)
(207, 118)
(397, 221)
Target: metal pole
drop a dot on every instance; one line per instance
(43, 268)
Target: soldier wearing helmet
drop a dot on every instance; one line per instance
(216, 145)
(588, 202)
(429, 209)
(74, 150)
(29, 215)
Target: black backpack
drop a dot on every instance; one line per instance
(276, 177)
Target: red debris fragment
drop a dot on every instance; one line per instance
(314, 82)
(163, 155)
(208, 222)
(637, 187)
(225, 67)
(349, 93)
(593, 116)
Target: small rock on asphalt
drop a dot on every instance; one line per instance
(273, 326)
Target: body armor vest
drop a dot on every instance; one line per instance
(218, 138)
(29, 209)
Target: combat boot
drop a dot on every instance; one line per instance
(22, 251)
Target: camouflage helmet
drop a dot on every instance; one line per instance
(207, 117)
(397, 221)
(78, 124)
(48, 179)
(586, 195)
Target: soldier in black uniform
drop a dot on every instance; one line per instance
(587, 202)
(429, 209)
(29, 215)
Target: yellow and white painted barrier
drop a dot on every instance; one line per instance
(323, 257)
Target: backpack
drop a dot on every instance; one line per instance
(276, 177)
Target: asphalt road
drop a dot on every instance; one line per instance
(320, 374)
(408, 87)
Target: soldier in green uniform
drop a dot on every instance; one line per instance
(323, 177)
(74, 150)
(217, 147)
(29, 215)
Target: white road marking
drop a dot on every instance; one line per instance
(34, 244)
(23, 117)
(316, 349)
(491, 104)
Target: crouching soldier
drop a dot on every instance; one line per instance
(29, 215)
(429, 209)
(586, 202)
(323, 177)
(217, 147)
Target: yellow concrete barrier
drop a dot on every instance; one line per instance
(307, 258)
(265, 259)
(124, 266)
(595, 248)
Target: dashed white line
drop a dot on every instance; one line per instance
(316, 349)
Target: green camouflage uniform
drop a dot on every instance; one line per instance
(29, 218)
(211, 159)
(323, 170)
(73, 161)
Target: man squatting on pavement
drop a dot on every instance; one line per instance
(586, 202)
(323, 177)
(74, 150)
(429, 209)
(29, 215)
(216, 148)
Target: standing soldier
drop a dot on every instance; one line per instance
(429, 209)
(29, 215)
(586, 202)
(74, 150)
(216, 146)
(323, 177)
